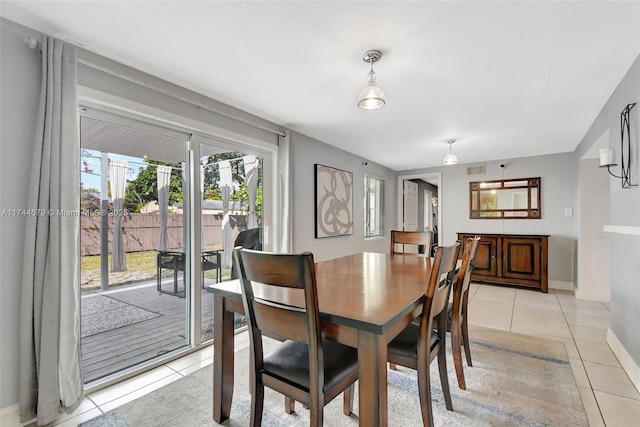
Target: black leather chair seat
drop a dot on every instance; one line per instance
(290, 362)
(406, 343)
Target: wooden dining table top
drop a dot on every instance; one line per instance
(364, 290)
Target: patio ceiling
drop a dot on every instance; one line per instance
(111, 138)
(116, 139)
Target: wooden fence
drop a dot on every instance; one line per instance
(141, 231)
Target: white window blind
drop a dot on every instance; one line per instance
(373, 206)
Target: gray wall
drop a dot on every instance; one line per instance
(307, 152)
(558, 174)
(624, 211)
(19, 89)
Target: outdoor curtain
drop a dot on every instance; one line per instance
(251, 173)
(117, 183)
(50, 365)
(164, 175)
(225, 187)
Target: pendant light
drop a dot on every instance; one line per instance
(450, 159)
(371, 97)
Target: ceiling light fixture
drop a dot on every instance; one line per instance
(371, 97)
(450, 159)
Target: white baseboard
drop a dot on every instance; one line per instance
(563, 286)
(628, 364)
(592, 296)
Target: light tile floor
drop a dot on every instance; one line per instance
(608, 395)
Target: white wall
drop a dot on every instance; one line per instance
(624, 207)
(307, 152)
(593, 247)
(558, 174)
(20, 87)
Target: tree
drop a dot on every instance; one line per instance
(144, 188)
(239, 192)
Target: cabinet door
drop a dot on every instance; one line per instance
(521, 258)
(484, 265)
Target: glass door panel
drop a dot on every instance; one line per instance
(133, 255)
(231, 203)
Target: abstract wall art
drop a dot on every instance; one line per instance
(334, 202)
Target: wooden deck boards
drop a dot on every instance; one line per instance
(108, 352)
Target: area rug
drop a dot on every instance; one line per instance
(516, 380)
(101, 313)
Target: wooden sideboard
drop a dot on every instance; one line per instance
(511, 259)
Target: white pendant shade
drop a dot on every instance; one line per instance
(371, 97)
(450, 159)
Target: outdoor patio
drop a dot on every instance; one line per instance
(134, 323)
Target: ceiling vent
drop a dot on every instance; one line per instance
(475, 170)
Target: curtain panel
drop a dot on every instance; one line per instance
(163, 176)
(50, 366)
(251, 174)
(117, 185)
(225, 187)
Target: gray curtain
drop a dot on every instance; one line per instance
(117, 183)
(251, 174)
(164, 176)
(284, 167)
(50, 366)
(225, 186)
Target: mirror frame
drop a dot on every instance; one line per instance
(529, 213)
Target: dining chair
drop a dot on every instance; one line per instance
(304, 367)
(419, 344)
(415, 238)
(457, 310)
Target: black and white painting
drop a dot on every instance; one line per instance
(334, 202)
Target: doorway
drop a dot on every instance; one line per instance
(434, 179)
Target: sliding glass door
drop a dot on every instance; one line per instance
(133, 288)
(231, 208)
(161, 211)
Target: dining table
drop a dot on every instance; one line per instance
(364, 299)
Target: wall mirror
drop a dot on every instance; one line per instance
(505, 199)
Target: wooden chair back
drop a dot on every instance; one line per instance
(439, 288)
(417, 238)
(273, 318)
(463, 278)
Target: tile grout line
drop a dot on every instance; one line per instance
(581, 359)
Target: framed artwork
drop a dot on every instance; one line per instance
(334, 202)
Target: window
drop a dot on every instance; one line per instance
(373, 206)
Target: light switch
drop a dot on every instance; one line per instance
(568, 212)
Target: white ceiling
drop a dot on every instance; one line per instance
(506, 79)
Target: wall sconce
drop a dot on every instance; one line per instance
(606, 154)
